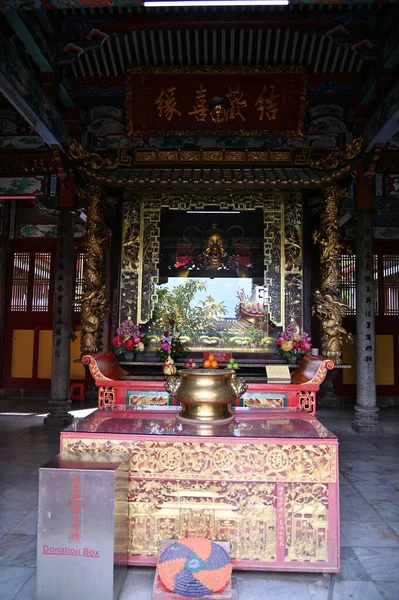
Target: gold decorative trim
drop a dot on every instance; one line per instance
(212, 70)
(106, 396)
(90, 159)
(337, 158)
(218, 461)
(217, 156)
(307, 402)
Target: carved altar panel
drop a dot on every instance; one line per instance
(282, 253)
(275, 501)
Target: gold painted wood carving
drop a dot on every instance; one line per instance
(282, 221)
(215, 100)
(95, 304)
(264, 499)
(328, 306)
(217, 461)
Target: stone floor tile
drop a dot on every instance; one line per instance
(12, 580)
(351, 568)
(372, 493)
(352, 504)
(138, 585)
(16, 498)
(395, 525)
(371, 477)
(388, 591)
(367, 534)
(9, 518)
(343, 480)
(359, 445)
(12, 545)
(346, 590)
(382, 564)
(28, 556)
(261, 586)
(389, 510)
(344, 541)
(28, 592)
(27, 525)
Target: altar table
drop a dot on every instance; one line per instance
(267, 482)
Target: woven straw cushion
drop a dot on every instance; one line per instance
(194, 567)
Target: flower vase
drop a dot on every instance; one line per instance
(292, 360)
(129, 356)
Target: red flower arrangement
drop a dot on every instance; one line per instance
(129, 338)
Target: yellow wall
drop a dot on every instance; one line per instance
(45, 354)
(383, 359)
(22, 355)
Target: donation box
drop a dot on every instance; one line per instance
(82, 529)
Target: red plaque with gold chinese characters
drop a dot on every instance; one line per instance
(242, 101)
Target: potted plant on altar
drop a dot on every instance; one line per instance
(292, 345)
(129, 340)
(171, 346)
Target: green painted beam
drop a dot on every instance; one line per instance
(27, 39)
(26, 95)
(65, 97)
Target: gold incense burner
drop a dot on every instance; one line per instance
(206, 394)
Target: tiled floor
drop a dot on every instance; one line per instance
(369, 515)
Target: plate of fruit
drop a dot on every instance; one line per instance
(210, 362)
(232, 364)
(190, 364)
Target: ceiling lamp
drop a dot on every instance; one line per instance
(167, 3)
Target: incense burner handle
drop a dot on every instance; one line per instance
(172, 384)
(239, 386)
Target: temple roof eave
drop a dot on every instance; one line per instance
(226, 177)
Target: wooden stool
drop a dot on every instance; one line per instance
(77, 392)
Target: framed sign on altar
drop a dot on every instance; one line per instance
(227, 266)
(212, 100)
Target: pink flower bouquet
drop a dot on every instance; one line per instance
(292, 344)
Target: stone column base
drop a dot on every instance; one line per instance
(57, 421)
(366, 420)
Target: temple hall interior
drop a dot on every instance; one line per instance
(199, 299)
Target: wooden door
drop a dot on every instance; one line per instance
(28, 327)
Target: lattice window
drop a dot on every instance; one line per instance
(390, 265)
(77, 307)
(375, 278)
(41, 282)
(348, 282)
(20, 281)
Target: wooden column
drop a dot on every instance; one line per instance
(366, 411)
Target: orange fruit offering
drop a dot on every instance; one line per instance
(214, 364)
(211, 357)
(207, 364)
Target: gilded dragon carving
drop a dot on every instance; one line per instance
(90, 160)
(95, 303)
(328, 306)
(338, 158)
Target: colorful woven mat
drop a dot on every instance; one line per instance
(194, 567)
